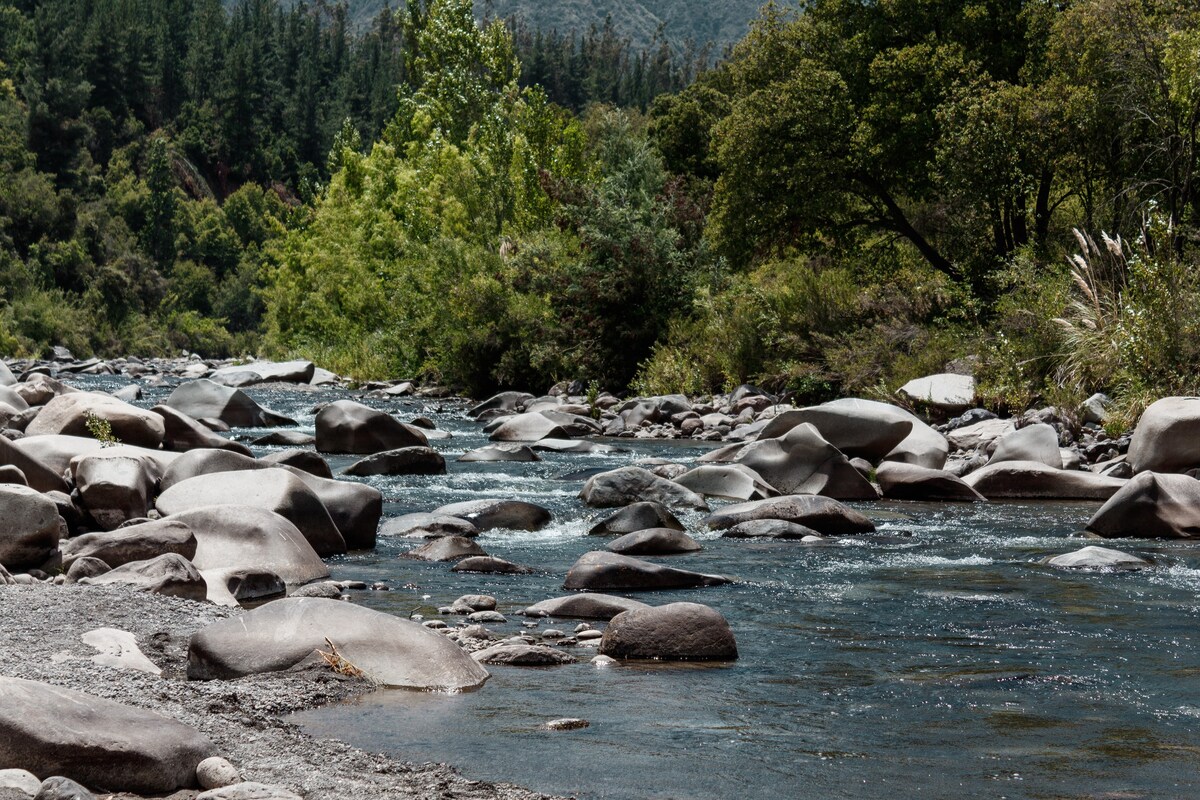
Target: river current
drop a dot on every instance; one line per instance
(936, 658)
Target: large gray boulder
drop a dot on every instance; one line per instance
(528, 428)
(627, 485)
(588, 605)
(1093, 557)
(1151, 505)
(858, 430)
(204, 399)
(169, 574)
(115, 487)
(133, 543)
(603, 571)
(427, 526)
(303, 460)
(355, 508)
(900, 481)
(922, 446)
(491, 565)
(67, 415)
(405, 461)
(1167, 437)
(801, 462)
(55, 452)
(29, 527)
(232, 539)
(283, 633)
(348, 427)
(946, 392)
(637, 517)
(6, 376)
(1033, 480)
(674, 632)
(50, 730)
(507, 402)
(276, 490)
(523, 655)
(729, 481)
(979, 433)
(654, 542)
(184, 433)
(1031, 443)
(38, 476)
(823, 514)
(490, 514)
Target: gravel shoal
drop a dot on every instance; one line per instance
(40, 630)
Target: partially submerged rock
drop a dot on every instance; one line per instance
(823, 514)
(1010, 480)
(637, 517)
(654, 542)
(446, 548)
(674, 632)
(627, 485)
(348, 427)
(201, 399)
(1151, 506)
(1096, 558)
(490, 564)
(911, 482)
(609, 571)
(588, 605)
(489, 514)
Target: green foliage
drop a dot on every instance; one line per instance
(100, 429)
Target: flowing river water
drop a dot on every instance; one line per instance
(936, 658)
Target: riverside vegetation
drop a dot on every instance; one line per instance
(856, 195)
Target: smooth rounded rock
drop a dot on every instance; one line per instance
(588, 605)
(637, 517)
(825, 515)
(60, 788)
(348, 427)
(404, 461)
(523, 655)
(249, 790)
(490, 564)
(68, 415)
(170, 574)
(654, 542)
(912, 482)
(1032, 443)
(115, 487)
(1151, 505)
(802, 462)
(486, 515)
(390, 651)
(769, 529)
(729, 481)
(608, 571)
(215, 772)
(53, 730)
(620, 487)
(512, 452)
(305, 460)
(427, 526)
(1011, 480)
(182, 433)
(528, 428)
(446, 548)
(201, 399)
(29, 527)
(133, 543)
(1096, 558)
(1167, 437)
(674, 632)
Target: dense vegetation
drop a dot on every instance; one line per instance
(862, 191)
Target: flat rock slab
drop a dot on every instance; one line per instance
(945, 391)
(50, 730)
(769, 529)
(119, 650)
(674, 632)
(390, 651)
(427, 526)
(1096, 558)
(1012, 480)
(490, 564)
(601, 570)
(825, 515)
(589, 605)
(249, 790)
(523, 655)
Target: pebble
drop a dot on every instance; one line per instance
(436, 624)
(589, 635)
(60, 788)
(552, 633)
(603, 661)
(215, 772)
(566, 724)
(581, 627)
(487, 616)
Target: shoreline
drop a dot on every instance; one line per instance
(41, 626)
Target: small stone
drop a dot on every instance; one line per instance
(435, 624)
(357, 586)
(20, 780)
(215, 772)
(477, 602)
(60, 788)
(566, 724)
(380, 587)
(588, 635)
(552, 633)
(328, 589)
(487, 616)
(581, 627)
(603, 661)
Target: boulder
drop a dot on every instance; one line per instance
(348, 427)
(654, 542)
(67, 415)
(427, 526)
(13, 399)
(267, 372)
(1033, 480)
(573, 446)
(38, 476)
(283, 633)
(6, 376)
(285, 439)
(501, 452)
(490, 564)
(528, 428)
(1151, 506)
(801, 462)
(54, 452)
(900, 481)
(184, 433)
(729, 481)
(51, 730)
(859, 431)
(673, 632)
(1167, 437)
(20, 780)
(627, 485)
(1096, 558)
(86, 567)
(523, 655)
(598, 570)
(237, 586)
(980, 433)
(232, 539)
(303, 460)
(215, 772)
(1032, 443)
(114, 487)
(637, 517)
(204, 399)
(922, 446)
(486, 515)
(11, 474)
(825, 515)
(507, 402)
(274, 489)
(355, 508)
(405, 461)
(945, 392)
(29, 527)
(133, 543)
(769, 529)
(446, 548)
(589, 605)
(170, 574)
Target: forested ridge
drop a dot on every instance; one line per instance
(859, 193)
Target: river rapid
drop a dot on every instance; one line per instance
(935, 658)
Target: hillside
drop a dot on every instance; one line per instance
(721, 23)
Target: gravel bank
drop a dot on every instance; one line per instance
(40, 629)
